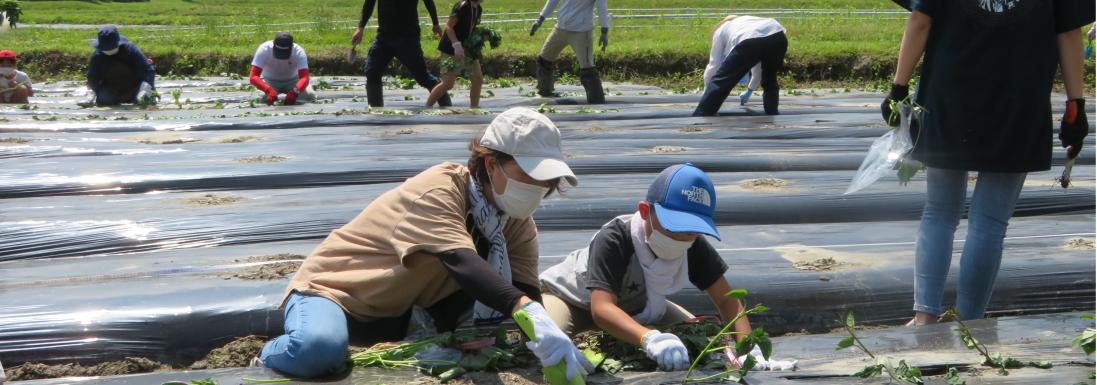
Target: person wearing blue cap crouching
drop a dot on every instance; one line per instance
(118, 71)
(621, 281)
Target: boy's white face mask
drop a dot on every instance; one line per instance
(665, 247)
(6, 70)
(111, 52)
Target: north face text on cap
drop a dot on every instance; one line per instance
(698, 195)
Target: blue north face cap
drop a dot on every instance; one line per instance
(684, 200)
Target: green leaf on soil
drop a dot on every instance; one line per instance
(953, 377)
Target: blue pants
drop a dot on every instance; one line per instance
(316, 339)
(404, 48)
(109, 97)
(318, 333)
(992, 205)
(769, 51)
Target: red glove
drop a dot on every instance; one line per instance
(257, 81)
(291, 98)
(272, 95)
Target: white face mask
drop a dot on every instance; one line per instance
(666, 247)
(111, 52)
(519, 200)
(6, 70)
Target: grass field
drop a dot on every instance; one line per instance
(667, 37)
(323, 28)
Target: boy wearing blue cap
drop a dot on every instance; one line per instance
(118, 71)
(620, 282)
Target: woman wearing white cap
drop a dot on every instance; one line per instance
(453, 239)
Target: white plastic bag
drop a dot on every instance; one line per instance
(887, 151)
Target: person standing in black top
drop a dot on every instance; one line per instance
(397, 36)
(463, 19)
(987, 71)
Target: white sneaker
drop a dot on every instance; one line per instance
(2, 377)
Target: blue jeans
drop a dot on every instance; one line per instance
(318, 333)
(109, 97)
(992, 205)
(316, 339)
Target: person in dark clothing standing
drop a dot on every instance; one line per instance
(986, 75)
(397, 37)
(118, 71)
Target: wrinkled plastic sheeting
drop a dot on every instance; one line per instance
(150, 281)
(1029, 338)
(174, 305)
(119, 224)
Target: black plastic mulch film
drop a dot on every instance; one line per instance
(115, 235)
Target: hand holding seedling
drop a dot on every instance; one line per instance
(887, 108)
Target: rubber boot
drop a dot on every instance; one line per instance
(375, 92)
(593, 85)
(545, 77)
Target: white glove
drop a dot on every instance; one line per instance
(745, 96)
(667, 350)
(88, 100)
(552, 345)
(762, 363)
(144, 92)
(458, 51)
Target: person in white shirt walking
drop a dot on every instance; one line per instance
(738, 44)
(575, 28)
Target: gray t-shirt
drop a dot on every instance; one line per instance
(610, 264)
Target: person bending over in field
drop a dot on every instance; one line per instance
(15, 85)
(118, 71)
(281, 68)
(621, 281)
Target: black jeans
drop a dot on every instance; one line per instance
(404, 48)
(769, 51)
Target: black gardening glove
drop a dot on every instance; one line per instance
(1074, 128)
(897, 93)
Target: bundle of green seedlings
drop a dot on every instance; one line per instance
(482, 350)
(906, 168)
(708, 341)
(474, 49)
